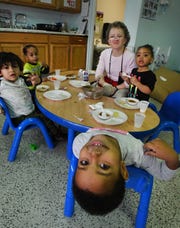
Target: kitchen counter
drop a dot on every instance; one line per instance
(39, 31)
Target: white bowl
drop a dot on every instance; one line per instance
(132, 101)
(105, 114)
(42, 88)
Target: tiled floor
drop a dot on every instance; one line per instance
(32, 192)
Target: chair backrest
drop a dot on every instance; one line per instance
(7, 114)
(170, 109)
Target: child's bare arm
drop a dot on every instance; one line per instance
(1, 111)
(160, 149)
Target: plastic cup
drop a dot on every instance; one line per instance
(143, 105)
(138, 119)
(57, 84)
(57, 72)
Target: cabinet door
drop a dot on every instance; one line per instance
(78, 46)
(71, 6)
(59, 52)
(23, 2)
(52, 4)
(14, 42)
(59, 57)
(16, 48)
(45, 4)
(77, 57)
(43, 52)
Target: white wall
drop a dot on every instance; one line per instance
(131, 19)
(113, 9)
(164, 32)
(90, 44)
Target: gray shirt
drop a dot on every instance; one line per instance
(131, 150)
(17, 97)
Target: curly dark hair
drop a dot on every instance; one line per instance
(25, 48)
(9, 57)
(96, 204)
(120, 25)
(147, 46)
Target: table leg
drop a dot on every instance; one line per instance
(71, 134)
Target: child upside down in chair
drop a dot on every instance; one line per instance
(99, 181)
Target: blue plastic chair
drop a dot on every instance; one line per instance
(139, 180)
(24, 125)
(169, 114)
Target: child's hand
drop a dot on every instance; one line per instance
(35, 79)
(126, 77)
(101, 81)
(134, 80)
(43, 64)
(160, 149)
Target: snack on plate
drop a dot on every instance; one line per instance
(115, 114)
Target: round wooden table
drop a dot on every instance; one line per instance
(65, 113)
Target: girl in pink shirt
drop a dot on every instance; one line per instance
(116, 60)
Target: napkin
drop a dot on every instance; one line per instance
(81, 96)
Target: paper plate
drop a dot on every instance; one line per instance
(78, 83)
(56, 77)
(123, 102)
(116, 117)
(71, 76)
(57, 95)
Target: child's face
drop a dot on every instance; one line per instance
(32, 55)
(143, 57)
(10, 72)
(116, 38)
(99, 164)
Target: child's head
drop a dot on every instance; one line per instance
(117, 33)
(144, 55)
(99, 181)
(30, 52)
(10, 66)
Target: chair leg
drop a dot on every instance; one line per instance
(5, 128)
(176, 140)
(19, 131)
(15, 145)
(144, 202)
(69, 200)
(36, 122)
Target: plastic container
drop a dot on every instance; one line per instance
(85, 75)
(93, 92)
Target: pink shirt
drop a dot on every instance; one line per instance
(111, 66)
